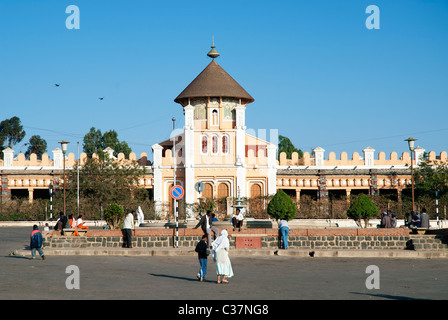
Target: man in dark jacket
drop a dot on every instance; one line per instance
(36, 243)
(207, 227)
(62, 222)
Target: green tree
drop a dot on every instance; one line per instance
(96, 142)
(36, 145)
(93, 142)
(282, 207)
(428, 178)
(114, 215)
(285, 145)
(110, 139)
(362, 208)
(11, 132)
(107, 181)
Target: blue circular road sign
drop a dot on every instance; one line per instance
(177, 192)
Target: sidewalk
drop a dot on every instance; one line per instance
(150, 252)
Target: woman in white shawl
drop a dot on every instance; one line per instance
(220, 248)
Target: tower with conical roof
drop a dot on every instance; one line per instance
(214, 144)
(214, 105)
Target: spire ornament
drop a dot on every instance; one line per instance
(213, 53)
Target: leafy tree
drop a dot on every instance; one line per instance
(107, 181)
(429, 178)
(285, 145)
(11, 131)
(36, 145)
(114, 215)
(110, 139)
(282, 207)
(93, 142)
(362, 208)
(96, 142)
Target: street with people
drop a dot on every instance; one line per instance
(175, 277)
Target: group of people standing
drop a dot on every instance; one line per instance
(388, 220)
(219, 250)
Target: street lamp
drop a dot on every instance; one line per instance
(411, 148)
(64, 150)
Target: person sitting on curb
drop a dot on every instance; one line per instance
(62, 223)
(80, 223)
(237, 220)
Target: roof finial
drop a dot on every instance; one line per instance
(213, 53)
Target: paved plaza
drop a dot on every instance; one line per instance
(174, 277)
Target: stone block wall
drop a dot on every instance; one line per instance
(314, 239)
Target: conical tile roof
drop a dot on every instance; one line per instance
(213, 81)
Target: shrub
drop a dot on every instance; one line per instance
(282, 207)
(362, 208)
(114, 216)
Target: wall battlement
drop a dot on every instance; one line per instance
(367, 159)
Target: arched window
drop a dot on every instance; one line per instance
(214, 144)
(204, 142)
(214, 117)
(225, 144)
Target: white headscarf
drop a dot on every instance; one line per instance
(222, 241)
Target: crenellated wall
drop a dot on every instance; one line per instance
(18, 173)
(367, 159)
(10, 162)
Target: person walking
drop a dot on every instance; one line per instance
(36, 241)
(206, 224)
(220, 252)
(203, 252)
(284, 231)
(128, 225)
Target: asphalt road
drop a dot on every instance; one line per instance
(174, 278)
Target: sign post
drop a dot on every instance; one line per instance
(176, 192)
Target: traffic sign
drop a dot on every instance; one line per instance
(199, 187)
(177, 192)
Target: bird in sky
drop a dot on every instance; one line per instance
(101, 98)
(56, 84)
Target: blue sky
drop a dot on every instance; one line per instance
(317, 74)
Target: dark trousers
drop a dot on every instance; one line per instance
(237, 223)
(127, 238)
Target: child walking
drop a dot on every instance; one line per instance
(36, 243)
(203, 252)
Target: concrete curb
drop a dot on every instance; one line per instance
(145, 252)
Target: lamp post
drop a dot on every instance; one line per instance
(411, 148)
(64, 151)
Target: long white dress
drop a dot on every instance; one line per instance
(220, 254)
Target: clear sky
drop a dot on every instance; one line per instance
(317, 74)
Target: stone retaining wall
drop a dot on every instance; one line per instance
(342, 239)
